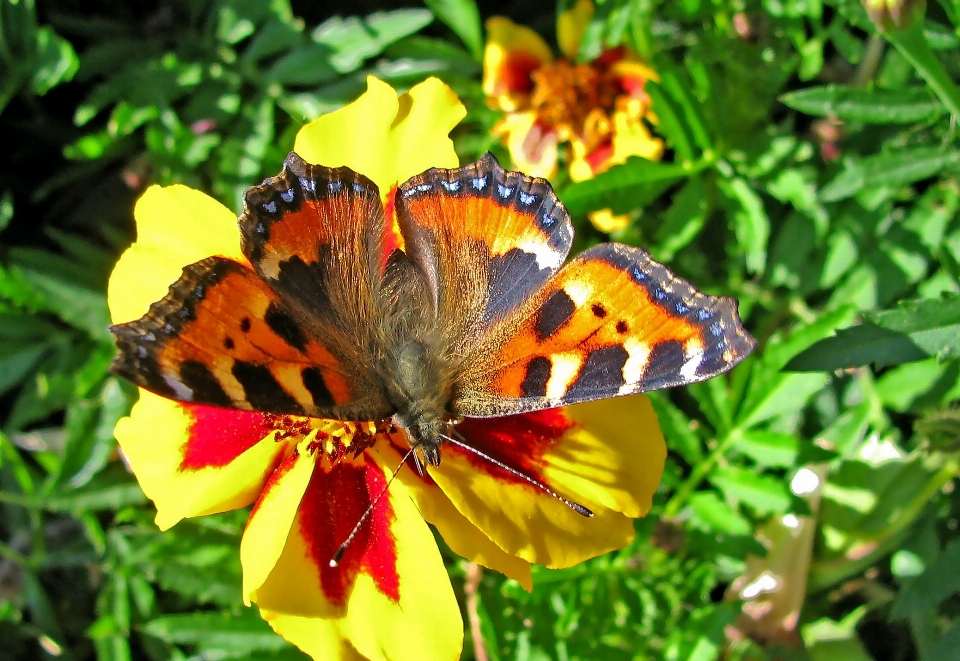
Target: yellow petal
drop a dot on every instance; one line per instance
(336, 616)
(631, 137)
(571, 25)
(386, 137)
(526, 522)
(607, 221)
(155, 440)
(532, 145)
(512, 53)
(463, 538)
(613, 456)
(633, 74)
(176, 226)
(271, 518)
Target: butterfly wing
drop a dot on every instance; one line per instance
(485, 240)
(293, 334)
(612, 322)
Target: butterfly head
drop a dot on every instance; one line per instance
(424, 433)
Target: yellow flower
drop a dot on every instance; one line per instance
(598, 108)
(310, 480)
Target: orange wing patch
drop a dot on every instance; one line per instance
(485, 238)
(315, 234)
(612, 322)
(223, 337)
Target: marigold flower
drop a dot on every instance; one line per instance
(598, 108)
(310, 480)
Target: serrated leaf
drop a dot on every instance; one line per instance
(762, 493)
(912, 331)
(877, 106)
(623, 187)
(350, 41)
(895, 168)
(769, 448)
(713, 515)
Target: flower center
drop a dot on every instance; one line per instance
(564, 94)
(336, 440)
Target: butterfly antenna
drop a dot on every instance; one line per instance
(338, 556)
(576, 507)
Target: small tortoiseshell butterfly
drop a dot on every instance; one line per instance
(477, 317)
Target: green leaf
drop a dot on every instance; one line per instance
(772, 392)
(750, 221)
(463, 17)
(351, 41)
(940, 579)
(857, 346)
(912, 331)
(623, 187)
(713, 515)
(56, 61)
(110, 490)
(309, 65)
(684, 219)
(677, 430)
(243, 632)
(17, 359)
(947, 647)
(769, 448)
(895, 168)
(762, 493)
(6, 209)
(877, 106)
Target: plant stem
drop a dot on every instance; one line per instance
(914, 47)
(699, 472)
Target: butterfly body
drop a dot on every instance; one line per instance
(476, 316)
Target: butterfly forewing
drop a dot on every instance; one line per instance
(612, 322)
(485, 238)
(293, 334)
(223, 337)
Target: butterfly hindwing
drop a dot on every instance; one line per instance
(485, 239)
(612, 322)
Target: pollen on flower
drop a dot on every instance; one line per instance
(565, 93)
(287, 426)
(336, 440)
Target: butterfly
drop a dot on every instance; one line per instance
(478, 315)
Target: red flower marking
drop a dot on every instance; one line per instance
(599, 156)
(332, 505)
(515, 72)
(633, 86)
(217, 436)
(519, 441)
(609, 57)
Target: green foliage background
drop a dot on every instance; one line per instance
(811, 171)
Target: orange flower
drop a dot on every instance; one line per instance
(598, 108)
(310, 480)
